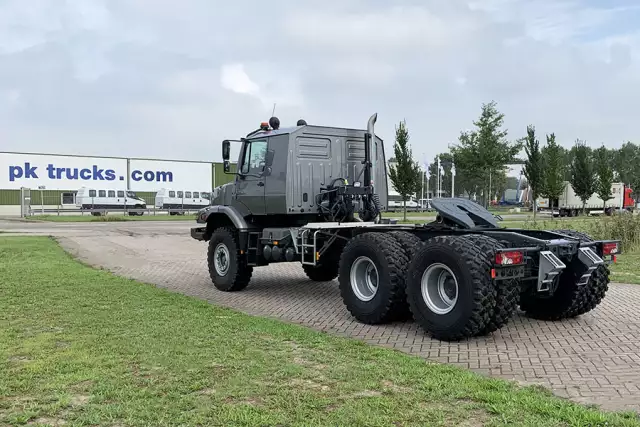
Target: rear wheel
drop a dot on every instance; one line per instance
(371, 277)
(228, 269)
(507, 291)
(410, 244)
(569, 300)
(449, 287)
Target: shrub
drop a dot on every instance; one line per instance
(623, 227)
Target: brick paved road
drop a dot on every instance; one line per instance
(593, 359)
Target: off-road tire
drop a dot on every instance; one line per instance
(390, 261)
(328, 265)
(471, 264)
(507, 291)
(410, 243)
(239, 273)
(569, 300)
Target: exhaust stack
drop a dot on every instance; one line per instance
(370, 152)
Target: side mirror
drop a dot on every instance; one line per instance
(226, 150)
(227, 167)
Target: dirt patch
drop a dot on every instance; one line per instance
(53, 422)
(206, 391)
(395, 388)
(79, 400)
(367, 393)
(309, 384)
(20, 359)
(251, 401)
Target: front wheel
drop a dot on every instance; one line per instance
(228, 269)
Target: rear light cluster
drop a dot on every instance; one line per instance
(610, 248)
(509, 258)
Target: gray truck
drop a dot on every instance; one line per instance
(314, 195)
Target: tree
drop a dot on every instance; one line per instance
(582, 178)
(532, 169)
(604, 174)
(485, 151)
(553, 173)
(405, 174)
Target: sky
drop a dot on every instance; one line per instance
(168, 79)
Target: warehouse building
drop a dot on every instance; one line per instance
(52, 181)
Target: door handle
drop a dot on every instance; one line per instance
(260, 184)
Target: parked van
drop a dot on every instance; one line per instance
(168, 198)
(89, 198)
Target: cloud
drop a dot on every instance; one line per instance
(161, 78)
(234, 78)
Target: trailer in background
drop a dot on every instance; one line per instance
(569, 204)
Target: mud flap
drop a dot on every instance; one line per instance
(591, 260)
(550, 267)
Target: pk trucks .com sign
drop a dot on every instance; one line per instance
(71, 173)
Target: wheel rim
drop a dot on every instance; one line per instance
(439, 288)
(221, 259)
(364, 278)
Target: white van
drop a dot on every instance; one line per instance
(168, 198)
(89, 198)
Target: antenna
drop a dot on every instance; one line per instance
(274, 110)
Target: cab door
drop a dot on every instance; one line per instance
(250, 182)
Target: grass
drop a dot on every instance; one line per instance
(110, 218)
(84, 347)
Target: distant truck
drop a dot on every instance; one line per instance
(569, 204)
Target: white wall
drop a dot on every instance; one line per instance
(57, 172)
(60, 172)
(152, 175)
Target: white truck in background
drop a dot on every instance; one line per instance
(569, 204)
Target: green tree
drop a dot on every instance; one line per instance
(582, 178)
(485, 151)
(405, 174)
(553, 173)
(532, 169)
(604, 174)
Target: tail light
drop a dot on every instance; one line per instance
(509, 258)
(610, 248)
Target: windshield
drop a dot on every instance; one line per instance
(131, 194)
(205, 196)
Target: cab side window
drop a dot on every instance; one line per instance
(255, 155)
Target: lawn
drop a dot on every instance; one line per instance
(84, 347)
(110, 217)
